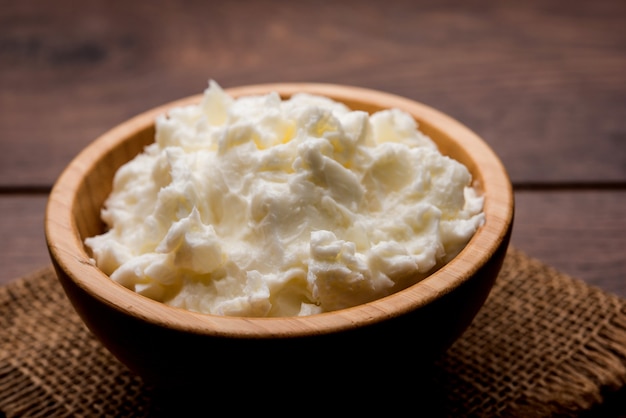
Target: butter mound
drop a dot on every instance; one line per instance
(259, 206)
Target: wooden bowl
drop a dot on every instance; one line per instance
(170, 347)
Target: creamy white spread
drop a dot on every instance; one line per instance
(258, 206)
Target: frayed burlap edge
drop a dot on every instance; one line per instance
(543, 345)
(50, 365)
(581, 382)
(599, 366)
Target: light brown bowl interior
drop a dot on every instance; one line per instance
(74, 206)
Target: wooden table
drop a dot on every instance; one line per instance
(544, 83)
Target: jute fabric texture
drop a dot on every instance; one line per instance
(544, 345)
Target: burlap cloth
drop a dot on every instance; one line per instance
(544, 344)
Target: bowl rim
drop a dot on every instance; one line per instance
(69, 254)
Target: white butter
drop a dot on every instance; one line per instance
(259, 206)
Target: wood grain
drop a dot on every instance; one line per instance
(581, 233)
(543, 83)
(528, 77)
(23, 246)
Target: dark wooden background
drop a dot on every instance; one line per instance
(543, 82)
